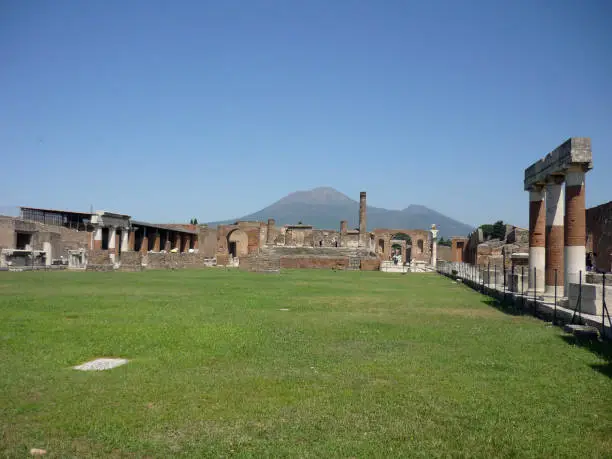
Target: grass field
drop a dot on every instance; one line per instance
(363, 364)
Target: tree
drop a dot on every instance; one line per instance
(499, 230)
(445, 242)
(191, 221)
(403, 237)
(195, 221)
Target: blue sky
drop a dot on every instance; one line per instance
(169, 110)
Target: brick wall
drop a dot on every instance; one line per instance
(599, 235)
(370, 265)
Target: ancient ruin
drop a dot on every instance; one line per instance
(557, 242)
(102, 240)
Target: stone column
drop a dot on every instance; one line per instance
(362, 219)
(434, 246)
(196, 239)
(270, 233)
(177, 241)
(125, 240)
(97, 238)
(554, 235)
(575, 227)
(157, 242)
(112, 239)
(112, 231)
(537, 229)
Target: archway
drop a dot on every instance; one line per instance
(396, 249)
(237, 243)
(420, 246)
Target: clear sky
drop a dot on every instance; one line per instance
(215, 109)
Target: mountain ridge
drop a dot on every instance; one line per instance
(324, 207)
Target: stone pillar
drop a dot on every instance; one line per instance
(575, 227)
(343, 227)
(177, 241)
(434, 246)
(48, 251)
(362, 219)
(97, 236)
(270, 233)
(112, 231)
(196, 239)
(157, 242)
(554, 235)
(125, 240)
(112, 239)
(537, 230)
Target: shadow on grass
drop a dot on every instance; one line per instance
(505, 307)
(602, 349)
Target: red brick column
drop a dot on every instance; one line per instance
(537, 231)
(144, 245)
(157, 242)
(177, 241)
(97, 238)
(131, 240)
(196, 243)
(575, 227)
(554, 235)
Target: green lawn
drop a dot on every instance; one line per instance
(364, 364)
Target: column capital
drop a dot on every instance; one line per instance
(556, 179)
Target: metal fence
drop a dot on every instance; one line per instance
(511, 288)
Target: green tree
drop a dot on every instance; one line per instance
(403, 237)
(195, 221)
(499, 230)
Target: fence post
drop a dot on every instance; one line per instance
(535, 287)
(603, 307)
(555, 306)
(504, 285)
(522, 287)
(495, 277)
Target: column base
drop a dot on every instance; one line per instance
(548, 296)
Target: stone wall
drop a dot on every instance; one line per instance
(174, 260)
(314, 262)
(326, 238)
(207, 241)
(599, 235)
(518, 236)
(444, 252)
(60, 238)
(98, 257)
(131, 261)
(7, 233)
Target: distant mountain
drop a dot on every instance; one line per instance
(324, 207)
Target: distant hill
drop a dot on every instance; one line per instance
(324, 207)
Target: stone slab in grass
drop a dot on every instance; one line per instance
(101, 364)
